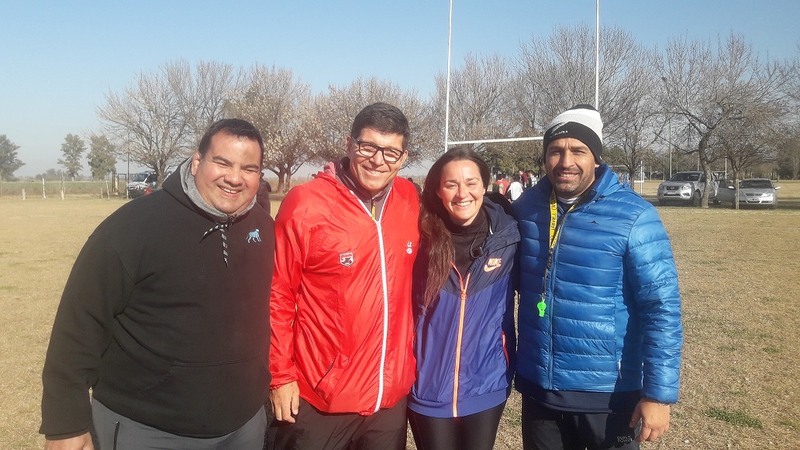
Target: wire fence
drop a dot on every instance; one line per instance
(58, 188)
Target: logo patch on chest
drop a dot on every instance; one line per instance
(492, 263)
(346, 259)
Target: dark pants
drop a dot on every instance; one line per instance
(315, 430)
(547, 429)
(113, 431)
(474, 432)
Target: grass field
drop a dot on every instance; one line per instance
(738, 271)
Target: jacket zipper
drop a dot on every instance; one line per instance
(461, 314)
(551, 276)
(385, 319)
(370, 210)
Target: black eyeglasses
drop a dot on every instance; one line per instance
(368, 150)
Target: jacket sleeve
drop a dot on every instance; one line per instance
(291, 239)
(653, 279)
(95, 291)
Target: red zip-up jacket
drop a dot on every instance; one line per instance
(340, 307)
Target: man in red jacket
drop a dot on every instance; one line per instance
(341, 349)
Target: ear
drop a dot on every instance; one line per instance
(349, 150)
(403, 158)
(195, 162)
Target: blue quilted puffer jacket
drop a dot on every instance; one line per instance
(613, 317)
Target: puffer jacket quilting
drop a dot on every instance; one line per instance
(613, 320)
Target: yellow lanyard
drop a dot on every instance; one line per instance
(555, 229)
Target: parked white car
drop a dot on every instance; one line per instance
(752, 191)
(686, 187)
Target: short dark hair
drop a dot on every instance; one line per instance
(234, 127)
(384, 118)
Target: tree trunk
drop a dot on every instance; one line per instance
(281, 183)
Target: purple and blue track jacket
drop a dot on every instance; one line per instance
(465, 340)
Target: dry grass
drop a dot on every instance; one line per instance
(739, 281)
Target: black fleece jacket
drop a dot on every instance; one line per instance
(153, 321)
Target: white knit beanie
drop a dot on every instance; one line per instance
(581, 122)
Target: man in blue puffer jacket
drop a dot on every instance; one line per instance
(600, 331)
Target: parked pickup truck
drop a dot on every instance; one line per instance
(687, 187)
(142, 184)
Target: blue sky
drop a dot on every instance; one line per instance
(58, 59)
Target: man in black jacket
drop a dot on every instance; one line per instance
(165, 316)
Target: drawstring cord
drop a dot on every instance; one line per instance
(223, 228)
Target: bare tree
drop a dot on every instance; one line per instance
(280, 106)
(206, 94)
(789, 154)
(479, 99)
(482, 95)
(717, 93)
(337, 109)
(789, 149)
(157, 121)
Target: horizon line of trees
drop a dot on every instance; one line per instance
(701, 102)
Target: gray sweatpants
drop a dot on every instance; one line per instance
(116, 432)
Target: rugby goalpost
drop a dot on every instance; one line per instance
(448, 142)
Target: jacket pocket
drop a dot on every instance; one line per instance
(221, 395)
(326, 386)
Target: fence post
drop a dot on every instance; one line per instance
(44, 195)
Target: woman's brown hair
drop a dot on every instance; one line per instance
(437, 241)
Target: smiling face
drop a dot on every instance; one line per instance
(373, 173)
(570, 167)
(227, 176)
(461, 190)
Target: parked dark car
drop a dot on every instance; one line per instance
(142, 184)
(752, 191)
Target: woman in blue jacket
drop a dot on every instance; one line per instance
(464, 307)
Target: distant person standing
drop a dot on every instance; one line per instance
(342, 358)
(501, 184)
(165, 316)
(523, 177)
(600, 332)
(531, 181)
(416, 185)
(262, 196)
(514, 189)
